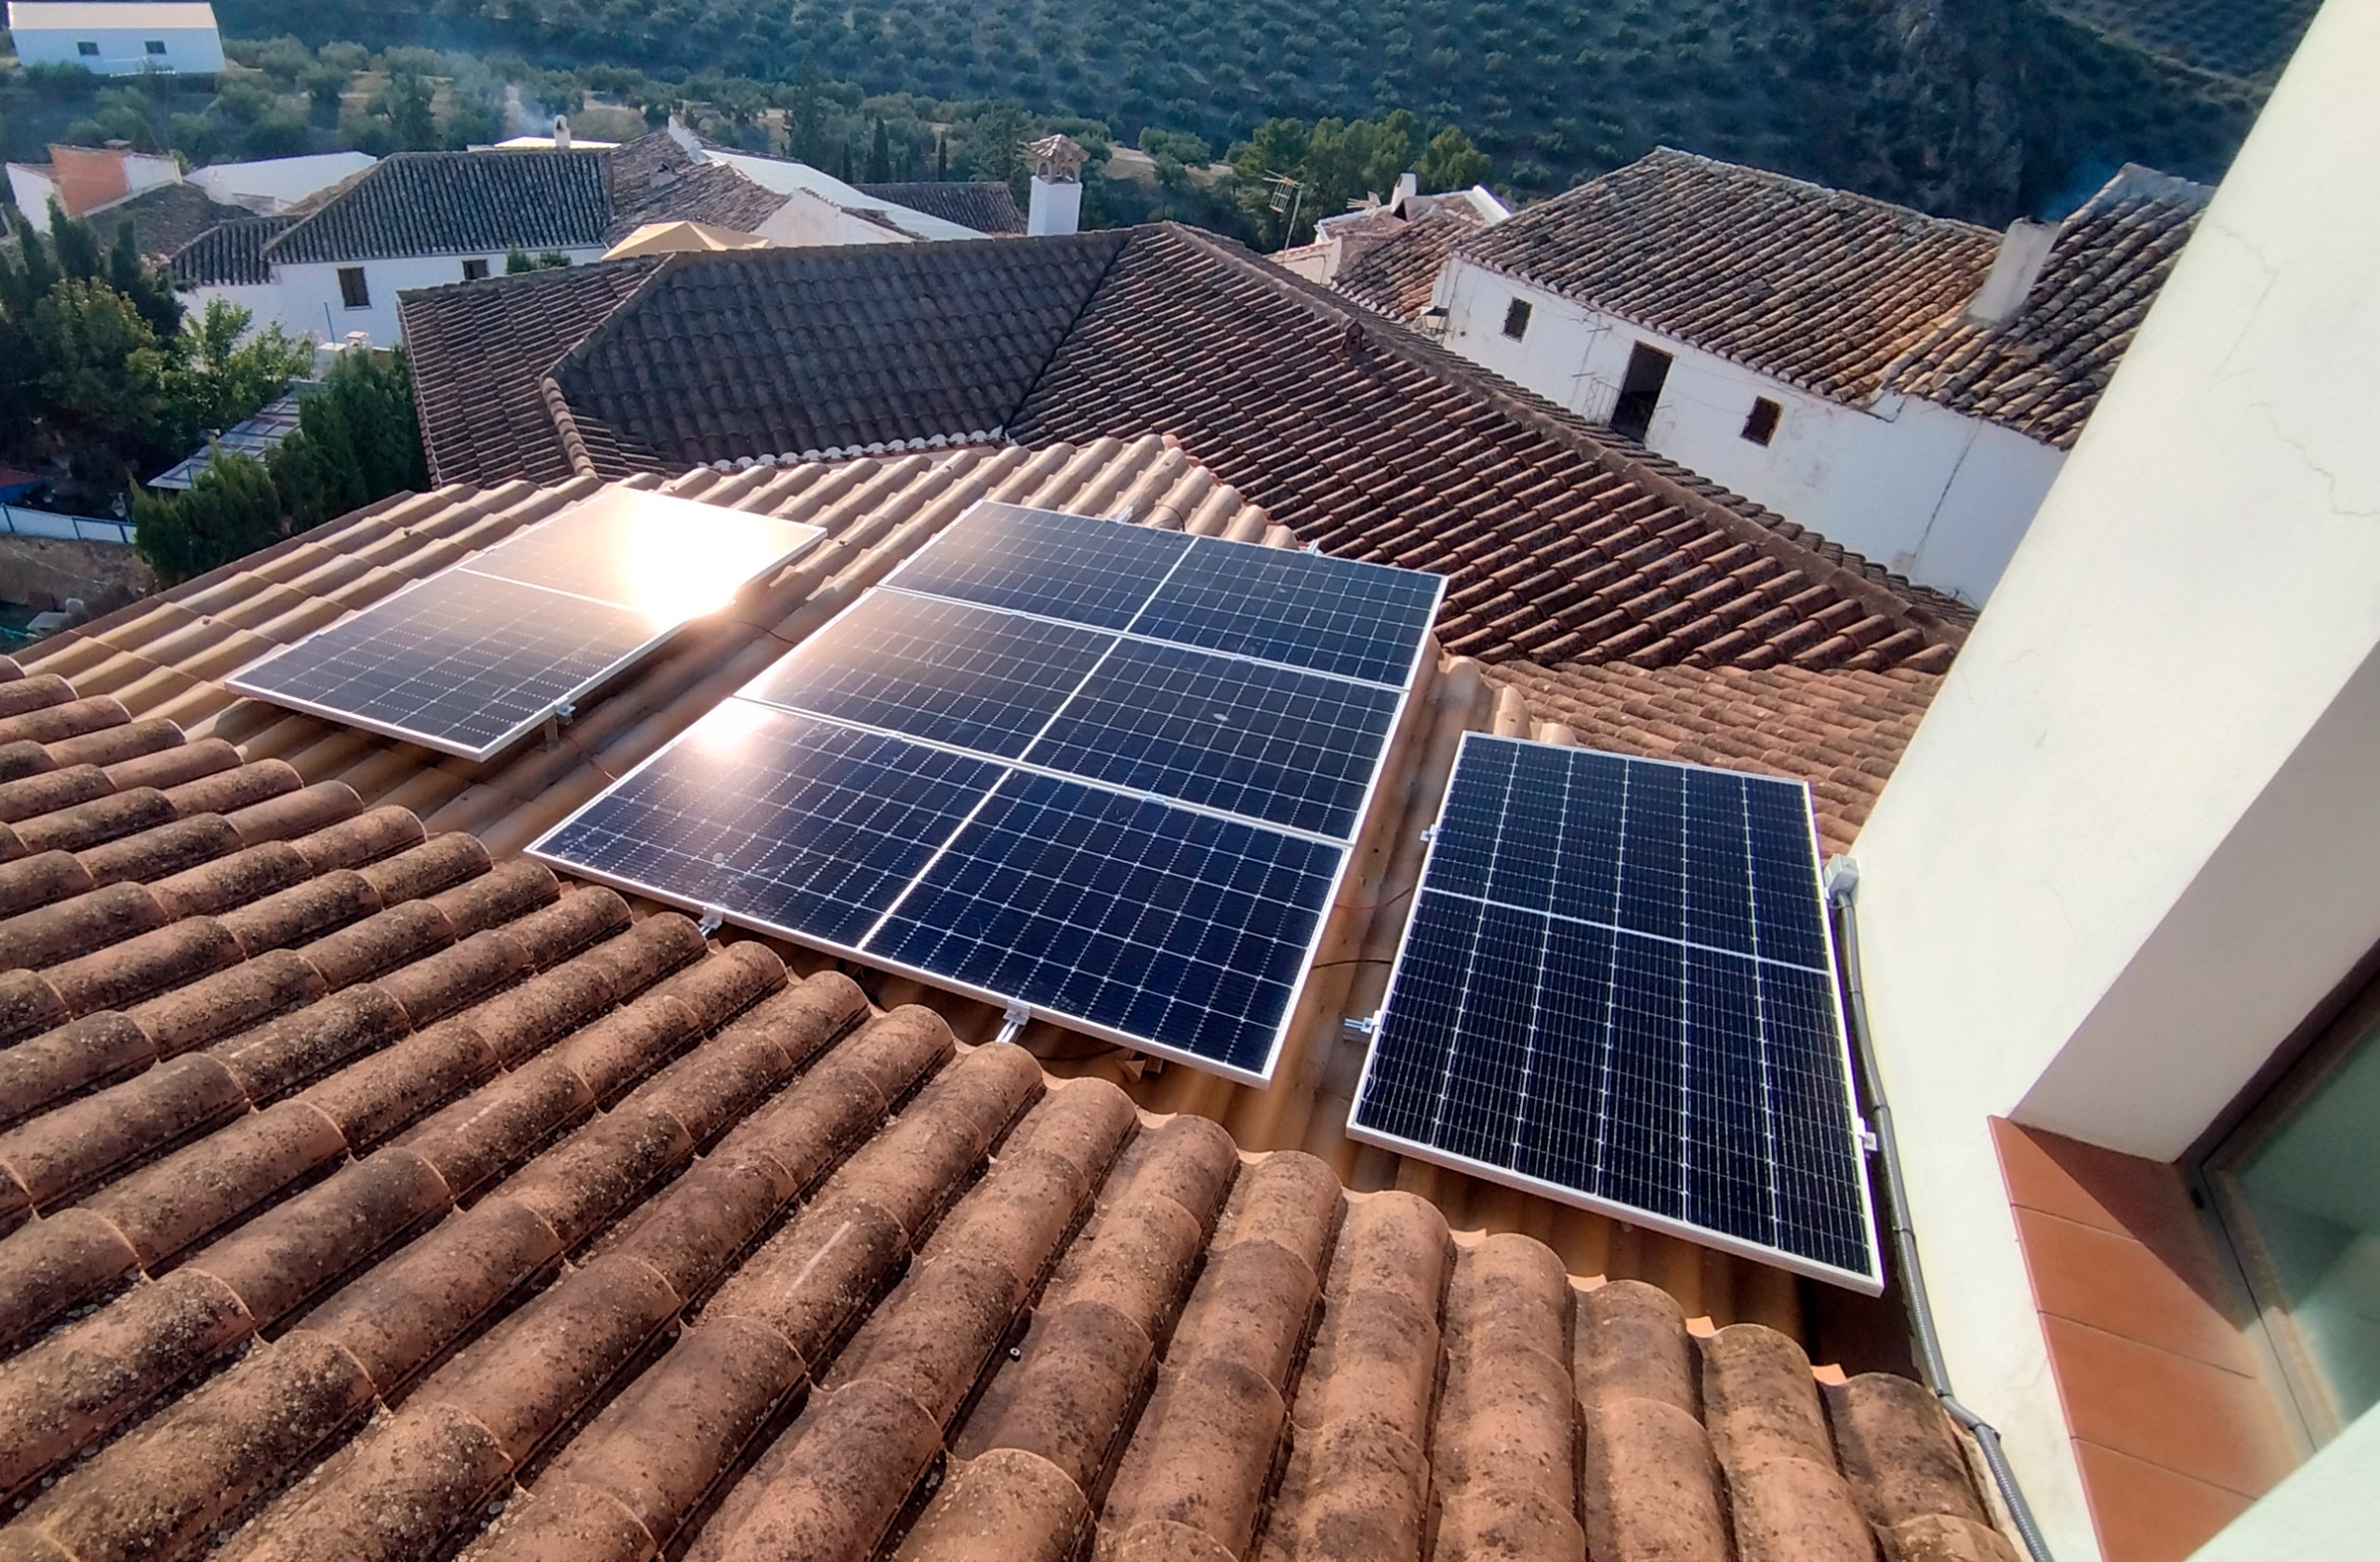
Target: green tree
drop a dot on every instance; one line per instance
(409, 98)
(356, 441)
(228, 372)
(1450, 162)
(232, 510)
(105, 381)
(879, 156)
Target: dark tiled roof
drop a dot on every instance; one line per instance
(1559, 542)
(229, 255)
(2042, 372)
(1841, 731)
(712, 192)
(493, 344)
(1817, 287)
(167, 219)
(369, 1197)
(1562, 543)
(984, 204)
(1397, 275)
(444, 203)
(806, 349)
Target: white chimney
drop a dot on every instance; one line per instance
(1056, 205)
(1409, 185)
(2024, 250)
(562, 132)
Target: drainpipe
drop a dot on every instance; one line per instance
(1841, 893)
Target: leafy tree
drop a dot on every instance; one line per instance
(879, 156)
(519, 260)
(232, 510)
(104, 379)
(356, 441)
(408, 106)
(228, 372)
(1450, 162)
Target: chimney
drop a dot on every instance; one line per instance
(562, 132)
(2024, 250)
(1056, 206)
(1409, 185)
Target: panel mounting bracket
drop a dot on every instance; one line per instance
(557, 719)
(1014, 1022)
(712, 919)
(1430, 834)
(1361, 1025)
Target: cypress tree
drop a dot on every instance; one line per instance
(941, 156)
(879, 156)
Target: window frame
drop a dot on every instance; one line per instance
(1517, 313)
(357, 297)
(475, 269)
(2299, 1070)
(153, 46)
(1762, 429)
(85, 49)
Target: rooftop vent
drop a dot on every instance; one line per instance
(2024, 250)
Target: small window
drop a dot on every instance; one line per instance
(351, 290)
(475, 271)
(88, 51)
(1516, 319)
(1760, 427)
(155, 46)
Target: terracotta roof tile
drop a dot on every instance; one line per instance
(1398, 275)
(984, 204)
(403, 1201)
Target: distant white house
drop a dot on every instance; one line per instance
(275, 184)
(117, 40)
(1906, 385)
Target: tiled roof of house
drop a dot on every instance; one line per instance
(1398, 275)
(167, 219)
(1562, 543)
(2042, 373)
(711, 192)
(444, 203)
(1818, 287)
(806, 349)
(984, 204)
(485, 409)
(366, 1192)
(230, 254)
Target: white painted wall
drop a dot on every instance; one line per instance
(1940, 497)
(2133, 843)
(307, 301)
(273, 184)
(2327, 1511)
(53, 34)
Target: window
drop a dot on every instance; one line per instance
(155, 46)
(1640, 392)
(86, 50)
(473, 271)
(1516, 319)
(352, 291)
(1760, 427)
(2297, 1186)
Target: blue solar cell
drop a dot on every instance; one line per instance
(1143, 919)
(970, 677)
(1617, 985)
(1249, 738)
(783, 821)
(1073, 568)
(1303, 609)
(459, 660)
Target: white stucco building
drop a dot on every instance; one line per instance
(332, 266)
(117, 40)
(2119, 907)
(1906, 385)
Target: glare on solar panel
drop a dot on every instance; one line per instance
(1132, 834)
(1617, 988)
(474, 658)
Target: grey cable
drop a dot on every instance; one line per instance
(1842, 890)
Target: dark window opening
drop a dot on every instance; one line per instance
(474, 269)
(155, 46)
(1516, 315)
(1760, 427)
(1640, 390)
(351, 290)
(86, 50)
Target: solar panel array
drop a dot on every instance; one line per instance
(1617, 988)
(475, 657)
(1108, 774)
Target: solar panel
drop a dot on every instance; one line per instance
(1617, 988)
(984, 775)
(475, 657)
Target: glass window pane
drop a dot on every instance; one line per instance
(2312, 1186)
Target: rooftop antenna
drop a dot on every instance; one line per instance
(1288, 195)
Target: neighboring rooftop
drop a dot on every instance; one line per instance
(256, 437)
(229, 255)
(436, 203)
(1562, 543)
(367, 1182)
(165, 218)
(114, 14)
(2042, 373)
(984, 204)
(1818, 287)
(1398, 275)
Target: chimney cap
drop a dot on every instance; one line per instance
(1058, 157)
